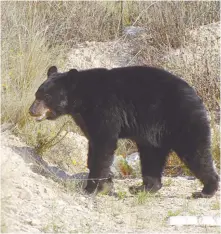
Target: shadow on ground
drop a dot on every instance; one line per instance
(40, 166)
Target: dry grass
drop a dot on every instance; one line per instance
(167, 22)
(25, 58)
(73, 22)
(26, 55)
(198, 63)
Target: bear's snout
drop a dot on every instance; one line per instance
(36, 108)
(39, 109)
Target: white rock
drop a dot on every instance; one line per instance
(194, 220)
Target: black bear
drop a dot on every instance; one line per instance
(157, 110)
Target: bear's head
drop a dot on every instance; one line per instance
(51, 98)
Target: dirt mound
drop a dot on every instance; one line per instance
(117, 53)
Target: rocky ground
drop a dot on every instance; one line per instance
(34, 200)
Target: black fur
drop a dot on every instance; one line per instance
(154, 108)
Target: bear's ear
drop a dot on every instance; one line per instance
(73, 78)
(52, 70)
(72, 72)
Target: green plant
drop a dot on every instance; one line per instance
(71, 185)
(4, 228)
(121, 194)
(143, 197)
(168, 182)
(52, 227)
(55, 223)
(215, 205)
(44, 143)
(171, 213)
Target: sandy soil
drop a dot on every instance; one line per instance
(34, 201)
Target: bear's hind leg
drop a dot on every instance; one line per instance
(152, 165)
(201, 164)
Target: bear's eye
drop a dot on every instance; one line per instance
(47, 98)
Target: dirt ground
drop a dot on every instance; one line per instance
(31, 201)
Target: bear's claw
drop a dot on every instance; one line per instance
(144, 188)
(201, 195)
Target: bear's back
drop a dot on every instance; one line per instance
(131, 83)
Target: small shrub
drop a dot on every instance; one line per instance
(216, 205)
(171, 213)
(121, 194)
(143, 197)
(168, 182)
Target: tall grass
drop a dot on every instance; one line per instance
(181, 43)
(25, 58)
(167, 22)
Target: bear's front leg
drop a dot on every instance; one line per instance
(99, 185)
(100, 158)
